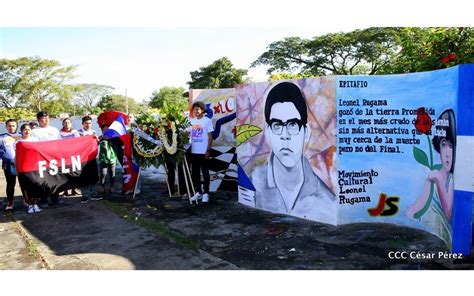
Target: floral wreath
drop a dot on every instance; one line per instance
(151, 142)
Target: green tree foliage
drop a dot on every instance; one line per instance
(331, 54)
(88, 95)
(284, 76)
(426, 49)
(16, 113)
(220, 74)
(171, 96)
(56, 107)
(371, 51)
(118, 103)
(32, 82)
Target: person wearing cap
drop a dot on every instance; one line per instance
(44, 132)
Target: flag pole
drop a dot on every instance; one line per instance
(136, 184)
(126, 101)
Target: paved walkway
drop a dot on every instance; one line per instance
(77, 236)
(89, 236)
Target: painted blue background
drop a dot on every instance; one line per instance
(400, 174)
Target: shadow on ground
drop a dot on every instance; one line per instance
(254, 239)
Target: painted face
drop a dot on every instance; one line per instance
(87, 125)
(446, 152)
(43, 121)
(286, 134)
(198, 112)
(11, 127)
(67, 124)
(25, 132)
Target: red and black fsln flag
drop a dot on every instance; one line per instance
(51, 167)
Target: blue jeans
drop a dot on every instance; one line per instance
(89, 191)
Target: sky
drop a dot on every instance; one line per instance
(140, 46)
(139, 61)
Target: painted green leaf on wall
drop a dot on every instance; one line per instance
(421, 157)
(245, 132)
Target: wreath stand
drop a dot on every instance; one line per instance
(187, 181)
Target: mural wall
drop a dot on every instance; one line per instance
(221, 108)
(286, 147)
(346, 149)
(397, 149)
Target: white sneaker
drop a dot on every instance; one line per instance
(196, 197)
(31, 210)
(9, 206)
(205, 198)
(36, 208)
(138, 191)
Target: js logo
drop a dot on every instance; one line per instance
(387, 206)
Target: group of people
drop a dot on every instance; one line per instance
(44, 132)
(201, 141)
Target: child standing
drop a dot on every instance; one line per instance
(201, 141)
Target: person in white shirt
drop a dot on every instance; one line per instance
(201, 141)
(86, 129)
(44, 132)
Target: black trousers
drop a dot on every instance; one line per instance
(200, 163)
(171, 167)
(11, 182)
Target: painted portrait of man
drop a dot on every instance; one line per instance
(286, 183)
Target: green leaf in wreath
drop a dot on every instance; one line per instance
(420, 156)
(245, 132)
(437, 167)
